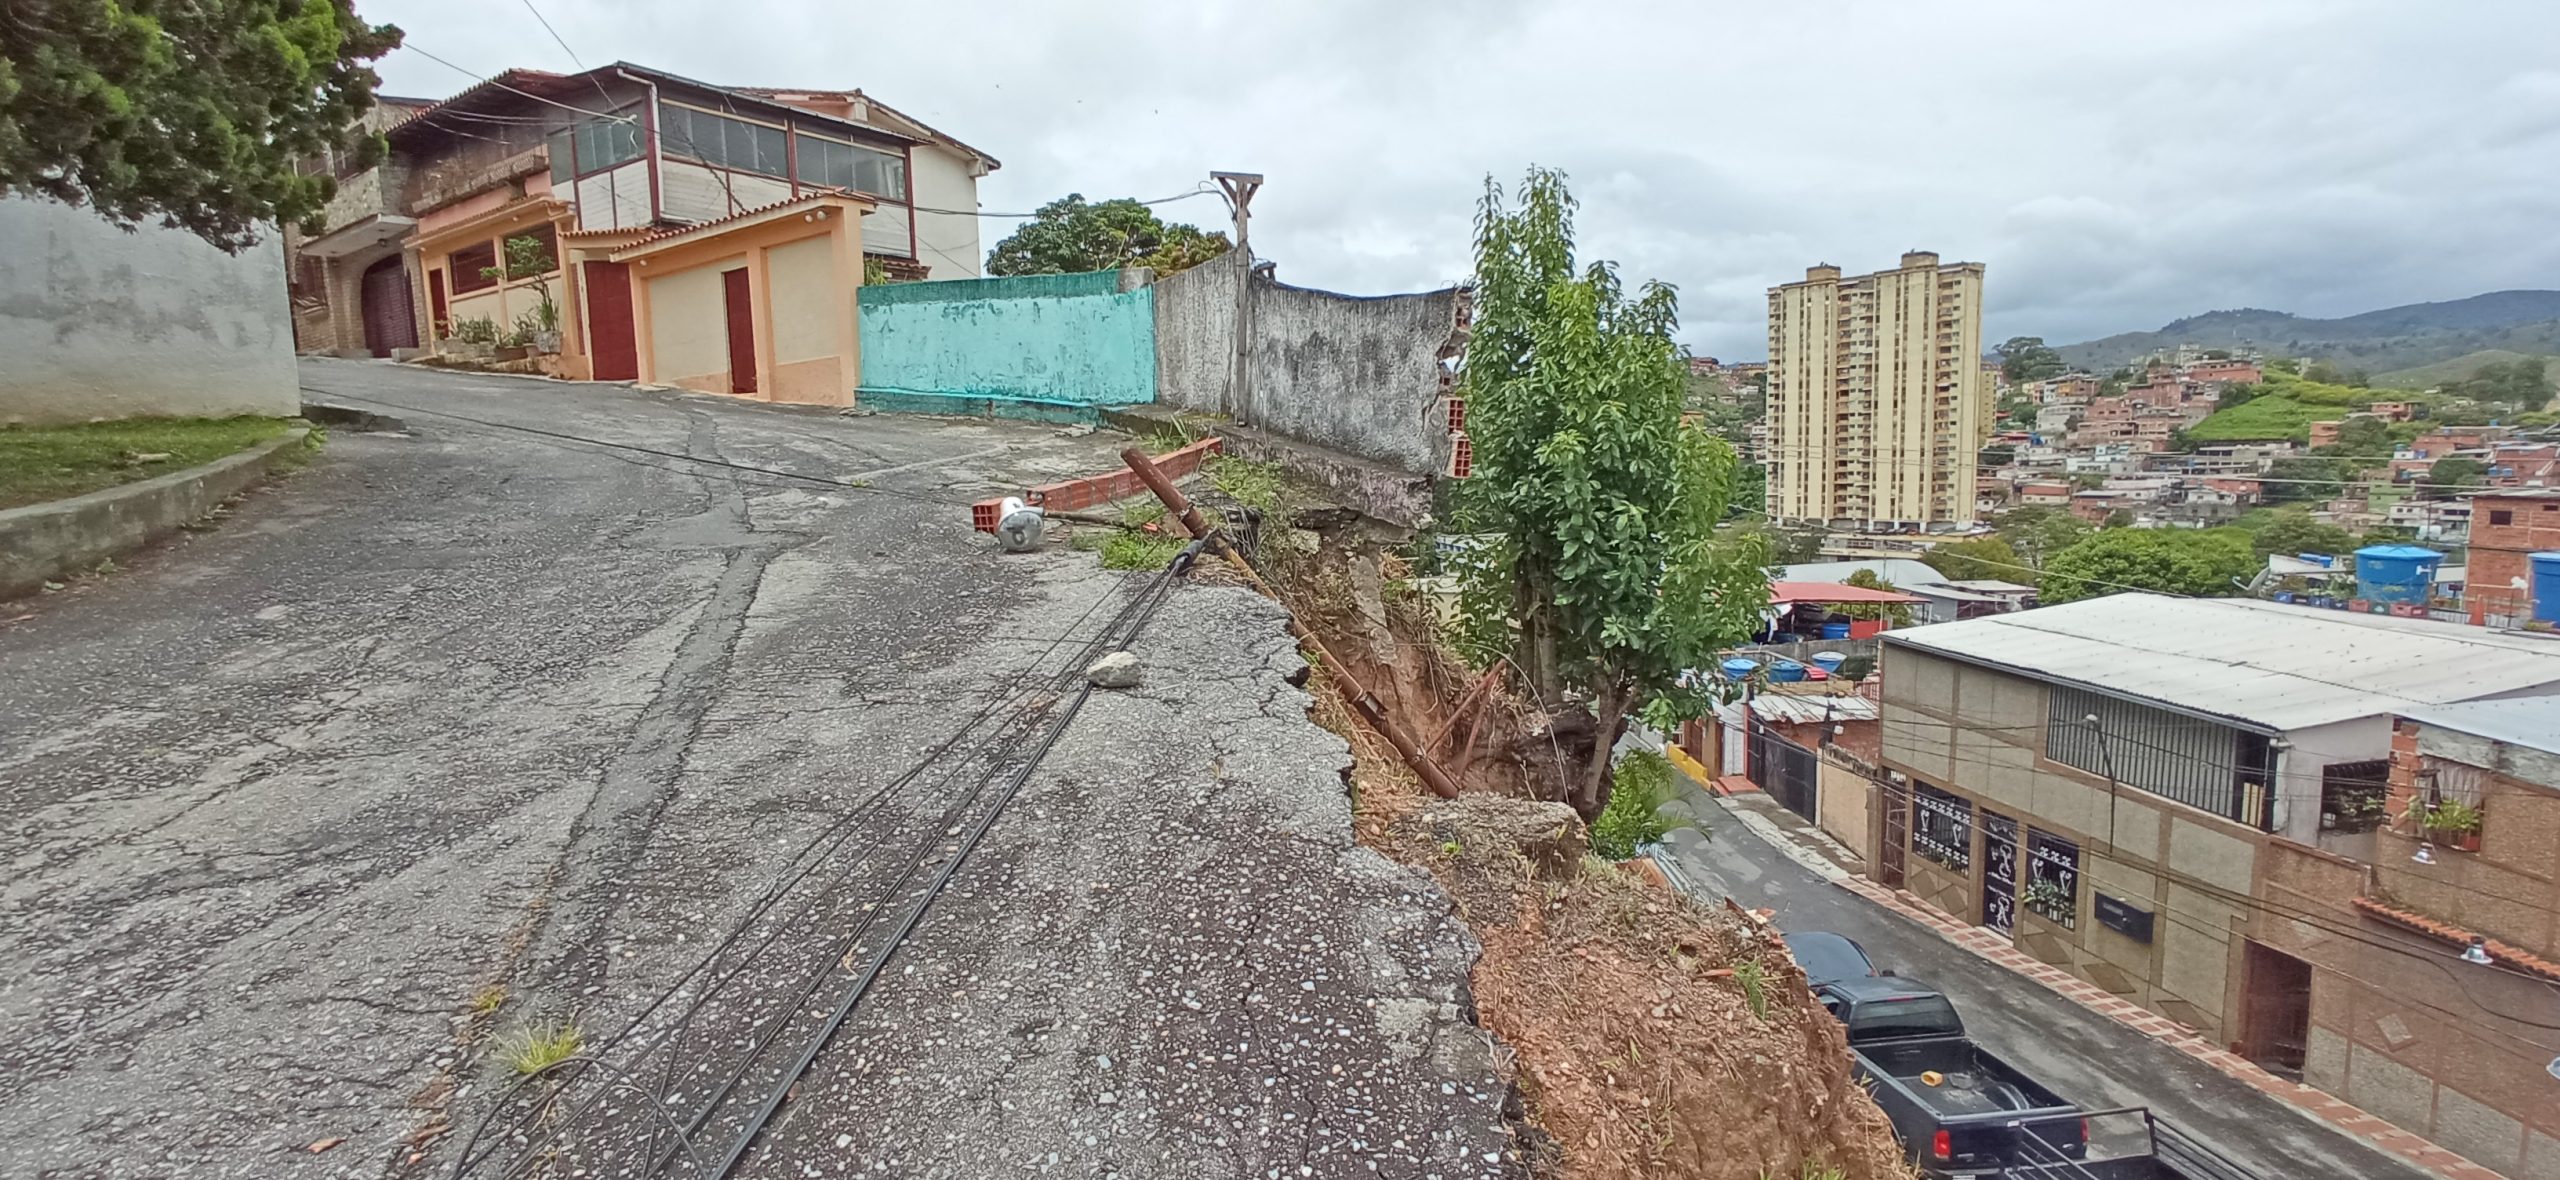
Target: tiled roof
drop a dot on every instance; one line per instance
(773, 91)
(742, 214)
(2513, 956)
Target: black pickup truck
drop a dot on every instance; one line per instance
(1957, 1107)
(1962, 1111)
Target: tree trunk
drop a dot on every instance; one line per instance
(1536, 657)
(1609, 706)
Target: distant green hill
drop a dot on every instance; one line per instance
(2266, 419)
(2390, 340)
(2426, 376)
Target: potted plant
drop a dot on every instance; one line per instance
(474, 339)
(2455, 824)
(515, 345)
(2450, 822)
(2048, 899)
(539, 328)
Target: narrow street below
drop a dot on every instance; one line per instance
(2087, 1058)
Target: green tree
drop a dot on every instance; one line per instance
(2301, 479)
(2451, 472)
(1071, 235)
(2195, 562)
(1979, 559)
(1610, 574)
(2295, 530)
(2237, 393)
(2025, 358)
(1898, 613)
(196, 113)
(2366, 437)
(2036, 532)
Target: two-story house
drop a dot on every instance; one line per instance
(681, 233)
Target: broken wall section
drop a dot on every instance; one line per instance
(1345, 391)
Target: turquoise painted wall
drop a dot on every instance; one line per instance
(1035, 344)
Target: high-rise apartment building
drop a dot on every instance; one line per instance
(1877, 403)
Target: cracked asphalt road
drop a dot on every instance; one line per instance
(285, 800)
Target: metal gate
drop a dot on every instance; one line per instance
(1783, 769)
(1999, 871)
(1896, 801)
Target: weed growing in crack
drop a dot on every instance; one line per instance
(539, 1047)
(488, 999)
(1755, 986)
(1254, 485)
(1139, 551)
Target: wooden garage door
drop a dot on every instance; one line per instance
(610, 334)
(390, 319)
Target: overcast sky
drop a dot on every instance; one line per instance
(2114, 170)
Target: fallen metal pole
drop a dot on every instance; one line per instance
(1353, 693)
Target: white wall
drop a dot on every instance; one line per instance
(616, 199)
(691, 192)
(2298, 774)
(947, 242)
(96, 322)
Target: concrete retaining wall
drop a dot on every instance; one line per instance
(96, 322)
(1355, 376)
(1071, 342)
(42, 542)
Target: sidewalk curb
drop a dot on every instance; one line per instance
(2310, 1101)
(41, 542)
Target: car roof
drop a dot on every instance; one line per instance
(1881, 988)
(1828, 958)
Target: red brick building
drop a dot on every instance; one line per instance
(2506, 527)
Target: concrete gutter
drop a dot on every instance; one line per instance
(41, 542)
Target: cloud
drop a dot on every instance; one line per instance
(2113, 170)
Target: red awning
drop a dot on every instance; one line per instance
(1790, 593)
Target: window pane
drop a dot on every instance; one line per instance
(558, 144)
(769, 150)
(467, 265)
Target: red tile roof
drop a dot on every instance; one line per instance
(2513, 956)
(785, 203)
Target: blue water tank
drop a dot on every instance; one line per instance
(1785, 672)
(1738, 668)
(2546, 586)
(1835, 630)
(2396, 573)
(1830, 661)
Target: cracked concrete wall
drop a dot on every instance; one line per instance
(97, 322)
(1360, 376)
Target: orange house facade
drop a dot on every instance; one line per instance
(629, 224)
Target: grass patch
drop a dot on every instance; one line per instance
(539, 1047)
(1254, 485)
(488, 999)
(2264, 419)
(1755, 986)
(39, 463)
(1139, 551)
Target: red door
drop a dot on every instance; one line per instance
(610, 342)
(742, 332)
(390, 320)
(436, 318)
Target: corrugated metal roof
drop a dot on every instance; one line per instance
(2274, 666)
(1793, 709)
(1901, 571)
(2531, 722)
(1783, 593)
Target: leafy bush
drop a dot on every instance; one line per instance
(1634, 816)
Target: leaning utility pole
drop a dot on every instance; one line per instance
(1239, 188)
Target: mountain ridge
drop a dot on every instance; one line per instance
(2523, 320)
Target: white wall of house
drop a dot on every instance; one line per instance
(947, 242)
(96, 322)
(618, 199)
(692, 192)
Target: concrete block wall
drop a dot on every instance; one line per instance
(98, 322)
(1357, 376)
(1076, 341)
